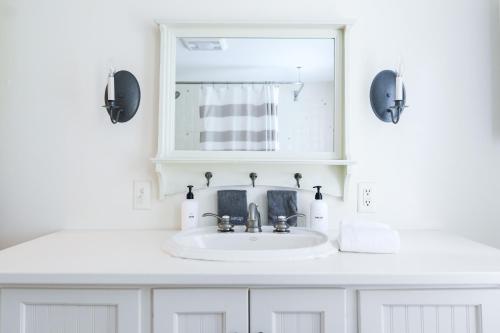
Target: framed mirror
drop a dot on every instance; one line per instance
(252, 92)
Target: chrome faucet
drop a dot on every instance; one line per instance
(253, 221)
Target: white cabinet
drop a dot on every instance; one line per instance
(297, 311)
(70, 311)
(227, 311)
(429, 311)
(200, 310)
(249, 310)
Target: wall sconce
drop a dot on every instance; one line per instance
(388, 96)
(122, 96)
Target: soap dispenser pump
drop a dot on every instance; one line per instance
(319, 212)
(189, 211)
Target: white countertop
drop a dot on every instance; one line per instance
(135, 258)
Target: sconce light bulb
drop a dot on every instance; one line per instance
(111, 85)
(399, 87)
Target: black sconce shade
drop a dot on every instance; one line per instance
(127, 97)
(382, 96)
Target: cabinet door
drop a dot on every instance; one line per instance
(429, 311)
(200, 311)
(297, 311)
(70, 311)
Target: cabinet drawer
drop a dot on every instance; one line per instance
(429, 311)
(70, 311)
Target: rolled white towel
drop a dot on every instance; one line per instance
(368, 237)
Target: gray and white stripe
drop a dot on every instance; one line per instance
(225, 136)
(238, 110)
(239, 118)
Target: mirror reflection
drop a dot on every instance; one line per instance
(255, 94)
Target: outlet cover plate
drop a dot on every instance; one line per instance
(142, 194)
(366, 197)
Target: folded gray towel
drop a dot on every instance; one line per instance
(281, 203)
(234, 204)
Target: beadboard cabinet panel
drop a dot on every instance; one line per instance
(297, 310)
(311, 322)
(429, 311)
(432, 318)
(49, 318)
(201, 322)
(70, 311)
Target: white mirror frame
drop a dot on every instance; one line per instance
(168, 156)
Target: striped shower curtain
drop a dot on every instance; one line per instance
(239, 117)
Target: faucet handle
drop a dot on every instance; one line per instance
(224, 224)
(281, 226)
(216, 216)
(286, 218)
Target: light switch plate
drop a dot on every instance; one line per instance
(142, 194)
(366, 197)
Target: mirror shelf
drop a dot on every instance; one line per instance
(324, 159)
(253, 161)
(173, 177)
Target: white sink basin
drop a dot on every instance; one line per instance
(209, 244)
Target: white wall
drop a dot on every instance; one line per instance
(64, 165)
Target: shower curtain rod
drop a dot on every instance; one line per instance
(238, 82)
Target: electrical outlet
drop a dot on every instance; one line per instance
(366, 197)
(142, 194)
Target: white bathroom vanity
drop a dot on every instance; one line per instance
(123, 282)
